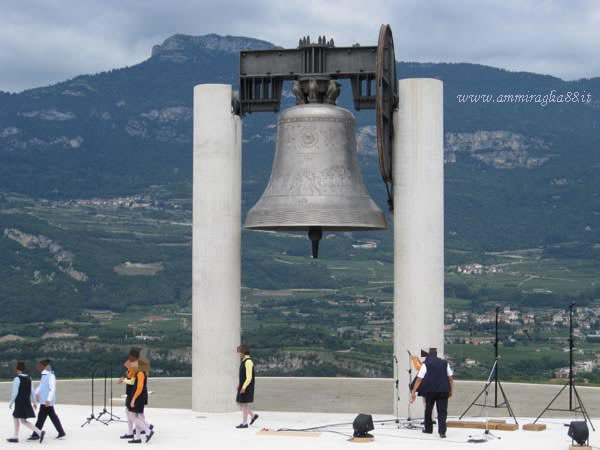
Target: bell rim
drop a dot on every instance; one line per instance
(368, 218)
(305, 227)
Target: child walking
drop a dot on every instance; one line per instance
(132, 365)
(46, 395)
(129, 378)
(22, 398)
(137, 402)
(245, 389)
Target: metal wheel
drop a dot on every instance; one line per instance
(386, 102)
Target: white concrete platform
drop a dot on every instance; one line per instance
(184, 429)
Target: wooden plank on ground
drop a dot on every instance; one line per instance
(361, 440)
(534, 427)
(471, 424)
(454, 424)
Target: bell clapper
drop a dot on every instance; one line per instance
(315, 234)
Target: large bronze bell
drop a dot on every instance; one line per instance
(316, 184)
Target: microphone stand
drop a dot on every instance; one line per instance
(396, 379)
(104, 411)
(496, 381)
(570, 383)
(111, 417)
(92, 416)
(487, 435)
(409, 382)
(397, 390)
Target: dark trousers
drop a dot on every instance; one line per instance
(440, 400)
(46, 411)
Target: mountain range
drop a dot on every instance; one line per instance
(517, 174)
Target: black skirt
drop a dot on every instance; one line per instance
(138, 405)
(23, 411)
(23, 408)
(246, 397)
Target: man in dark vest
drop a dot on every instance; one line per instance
(435, 382)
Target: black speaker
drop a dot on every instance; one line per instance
(362, 425)
(578, 431)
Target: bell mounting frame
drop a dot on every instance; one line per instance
(371, 71)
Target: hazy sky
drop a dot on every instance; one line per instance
(45, 41)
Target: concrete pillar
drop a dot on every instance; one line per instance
(216, 256)
(418, 174)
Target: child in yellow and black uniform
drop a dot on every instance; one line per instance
(131, 388)
(129, 379)
(245, 389)
(137, 402)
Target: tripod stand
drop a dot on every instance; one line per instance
(92, 416)
(570, 383)
(493, 378)
(408, 423)
(111, 417)
(487, 434)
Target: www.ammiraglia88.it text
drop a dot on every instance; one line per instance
(540, 99)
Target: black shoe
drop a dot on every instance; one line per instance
(149, 436)
(13, 440)
(254, 419)
(33, 437)
(427, 432)
(60, 435)
(242, 425)
(443, 435)
(135, 441)
(42, 434)
(127, 436)
(143, 432)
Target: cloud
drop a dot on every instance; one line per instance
(45, 42)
